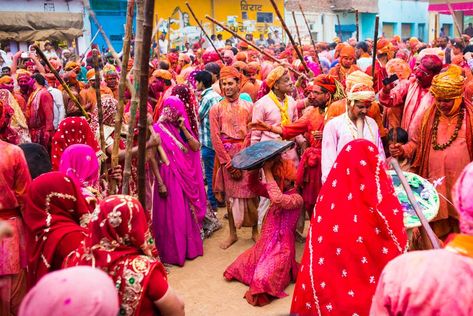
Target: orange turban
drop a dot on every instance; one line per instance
(253, 68)
(229, 72)
(6, 80)
(324, 81)
(241, 57)
(163, 74)
(239, 65)
(22, 73)
(90, 74)
(274, 76)
(399, 67)
(347, 51)
(448, 84)
(384, 47)
(358, 77)
(71, 65)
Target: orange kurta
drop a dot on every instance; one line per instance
(339, 107)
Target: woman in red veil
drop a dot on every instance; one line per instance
(356, 229)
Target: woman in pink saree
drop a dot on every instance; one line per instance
(178, 217)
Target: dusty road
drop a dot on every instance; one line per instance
(200, 282)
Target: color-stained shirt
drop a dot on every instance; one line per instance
(209, 99)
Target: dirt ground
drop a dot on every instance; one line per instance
(205, 291)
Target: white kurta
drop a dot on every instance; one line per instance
(340, 131)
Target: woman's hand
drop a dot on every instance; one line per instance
(180, 122)
(162, 190)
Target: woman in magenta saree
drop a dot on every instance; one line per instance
(269, 266)
(178, 217)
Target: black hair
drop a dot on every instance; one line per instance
(402, 136)
(205, 77)
(163, 65)
(234, 50)
(213, 68)
(363, 46)
(468, 49)
(39, 79)
(37, 159)
(167, 82)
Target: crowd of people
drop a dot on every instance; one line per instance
(72, 243)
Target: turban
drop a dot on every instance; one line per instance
(275, 75)
(22, 73)
(109, 70)
(324, 81)
(399, 67)
(448, 84)
(396, 39)
(253, 68)
(229, 72)
(71, 65)
(185, 57)
(173, 57)
(432, 51)
(413, 41)
(163, 74)
(431, 63)
(462, 192)
(361, 92)
(242, 45)
(6, 80)
(358, 77)
(241, 57)
(55, 63)
(90, 74)
(297, 64)
(50, 76)
(385, 47)
(210, 56)
(228, 53)
(347, 51)
(336, 40)
(239, 65)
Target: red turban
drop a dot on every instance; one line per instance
(324, 81)
(241, 57)
(210, 56)
(432, 63)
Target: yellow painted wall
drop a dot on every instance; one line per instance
(223, 11)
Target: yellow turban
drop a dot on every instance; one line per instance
(275, 75)
(358, 77)
(163, 74)
(22, 73)
(399, 67)
(71, 65)
(448, 84)
(90, 74)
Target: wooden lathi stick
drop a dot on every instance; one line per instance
(297, 29)
(375, 45)
(95, 62)
(293, 42)
(254, 46)
(357, 17)
(143, 121)
(121, 92)
(203, 31)
(311, 38)
(135, 96)
(61, 81)
(425, 224)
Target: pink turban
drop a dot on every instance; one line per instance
(462, 198)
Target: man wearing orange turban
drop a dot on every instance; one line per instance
(346, 65)
(442, 144)
(228, 130)
(384, 52)
(88, 97)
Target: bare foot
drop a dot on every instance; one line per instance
(228, 242)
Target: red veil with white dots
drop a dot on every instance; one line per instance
(356, 229)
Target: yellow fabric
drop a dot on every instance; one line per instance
(275, 75)
(358, 77)
(283, 108)
(448, 84)
(161, 73)
(399, 67)
(90, 74)
(22, 72)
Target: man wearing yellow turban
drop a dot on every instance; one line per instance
(443, 144)
(346, 65)
(228, 130)
(384, 52)
(88, 98)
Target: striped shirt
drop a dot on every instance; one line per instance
(209, 99)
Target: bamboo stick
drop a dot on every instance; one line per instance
(455, 21)
(297, 29)
(311, 38)
(203, 31)
(95, 61)
(425, 224)
(90, 44)
(254, 46)
(121, 92)
(283, 23)
(143, 122)
(375, 45)
(357, 25)
(61, 81)
(134, 100)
